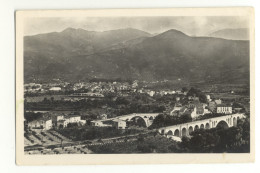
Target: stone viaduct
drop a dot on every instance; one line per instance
(186, 128)
(147, 117)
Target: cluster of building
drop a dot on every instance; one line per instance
(103, 121)
(46, 122)
(116, 123)
(94, 87)
(104, 87)
(96, 90)
(44, 88)
(62, 121)
(195, 108)
(160, 92)
(121, 122)
(97, 87)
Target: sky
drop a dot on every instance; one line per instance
(193, 26)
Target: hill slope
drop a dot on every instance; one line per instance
(170, 55)
(71, 42)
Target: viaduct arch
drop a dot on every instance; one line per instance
(186, 128)
(146, 117)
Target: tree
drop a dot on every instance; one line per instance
(45, 100)
(244, 126)
(159, 121)
(70, 125)
(184, 89)
(30, 116)
(186, 118)
(185, 144)
(197, 93)
(140, 138)
(146, 148)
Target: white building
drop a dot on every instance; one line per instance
(97, 123)
(206, 111)
(218, 101)
(41, 123)
(103, 117)
(224, 109)
(208, 98)
(194, 113)
(135, 84)
(151, 93)
(60, 117)
(55, 89)
(119, 124)
(74, 118)
(64, 121)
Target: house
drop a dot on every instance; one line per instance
(192, 112)
(175, 112)
(135, 84)
(73, 118)
(119, 124)
(103, 117)
(41, 123)
(178, 91)
(199, 106)
(56, 118)
(63, 121)
(151, 93)
(177, 106)
(59, 117)
(140, 91)
(218, 101)
(222, 108)
(208, 98)
(97, 123)
(182, 110)
(55, 89)
(207, 111)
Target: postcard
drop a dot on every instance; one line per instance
(135, 86)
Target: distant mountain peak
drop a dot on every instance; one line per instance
(171, 33)
(69, 29)
(175, 31)
(129, 30)
(133, 29)
(232, 33)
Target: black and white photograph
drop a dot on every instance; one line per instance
(135, 83)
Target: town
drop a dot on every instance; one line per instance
(106, 116)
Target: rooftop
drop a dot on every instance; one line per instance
(224, 105)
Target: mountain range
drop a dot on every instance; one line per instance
(232, 34)
(77, 54)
